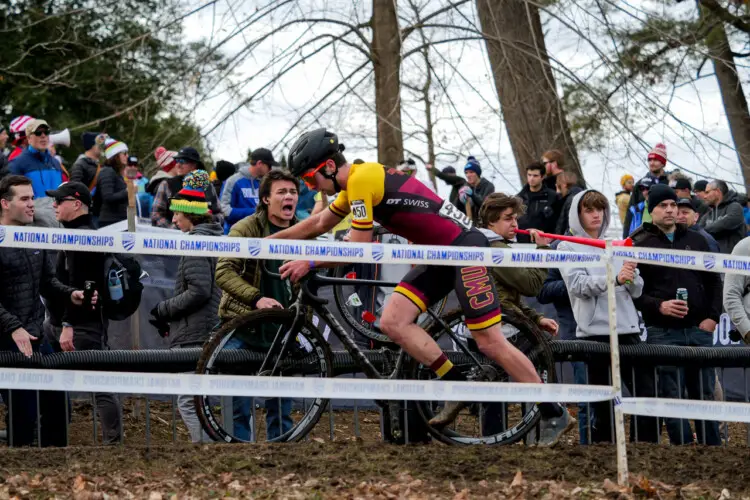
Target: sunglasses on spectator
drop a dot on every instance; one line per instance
(309, 177)
(60, 201)
(40, 132)
(180, 161)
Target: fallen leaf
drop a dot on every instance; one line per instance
(517, 480)
(318, 440)
(725, 494)
(154, 495)
(79, 483)
(235, 486)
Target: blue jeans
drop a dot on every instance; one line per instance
(579, 376)
(674, 382)
(242, 410)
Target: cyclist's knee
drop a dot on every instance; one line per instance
(392, 324)
(490, 340)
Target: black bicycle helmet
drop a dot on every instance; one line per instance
(312, 149)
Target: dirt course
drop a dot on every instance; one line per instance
(352, 467)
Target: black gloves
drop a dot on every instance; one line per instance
(161, 324)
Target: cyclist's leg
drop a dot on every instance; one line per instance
(421, 287)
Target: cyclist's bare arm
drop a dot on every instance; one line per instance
(312, 227)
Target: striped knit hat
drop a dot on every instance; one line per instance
(112, 147)
(192, 197)
(165, 159)
(18, 127)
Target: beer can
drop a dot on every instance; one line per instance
(682, 294)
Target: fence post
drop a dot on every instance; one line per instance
(614, 347)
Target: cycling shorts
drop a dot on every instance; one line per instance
(425, 285)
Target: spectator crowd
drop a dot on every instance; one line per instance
(257, 198)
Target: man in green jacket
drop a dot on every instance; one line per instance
(499, 216)
(245, 289)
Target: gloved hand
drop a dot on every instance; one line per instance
(464, 193)
(161, 324)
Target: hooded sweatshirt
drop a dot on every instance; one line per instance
(239, 197)
(587, 286)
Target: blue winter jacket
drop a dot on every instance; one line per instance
(239, 197)
(41, 168)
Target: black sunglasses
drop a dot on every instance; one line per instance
(41, 132)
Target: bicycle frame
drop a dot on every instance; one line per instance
(307, 296)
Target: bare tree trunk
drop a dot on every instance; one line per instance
(732, 95)
(525, 85)
(386, 57)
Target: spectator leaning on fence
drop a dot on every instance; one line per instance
(499, 215)
(673, 321)
(239, 198)
(725, 220)
(84, 327)
(737, 294)
(587, 288)
(538, 201)
(245, 288)
(191, 315)
(25, 275)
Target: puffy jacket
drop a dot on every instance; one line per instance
(84, 170)
(74, 269)
(192, 312)
(41, 168)
(587, 286)
(514, 283)
(25, 275)
(704, 288)
(736, 288)
(111, 196)
(239, 279)
(239, 197)
(563, 225)
(725, 222)
(540, 213)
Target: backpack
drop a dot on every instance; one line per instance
(122, 292)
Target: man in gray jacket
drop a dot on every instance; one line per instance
(587, 288)
(724, 219)
(737, 294)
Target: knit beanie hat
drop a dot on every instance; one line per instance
(113, 147)
(659, 153)
(474, 166)
(165, 159)
(18, 127)
(449, 170)
(625, 178)
(224, 170)
(659, 193)
(191, 199)
(89, 140)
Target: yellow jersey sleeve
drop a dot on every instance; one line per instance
(364, 191)
(340, 206)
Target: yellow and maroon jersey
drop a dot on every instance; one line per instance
(401, 204)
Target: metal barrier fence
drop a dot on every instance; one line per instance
(155, 419)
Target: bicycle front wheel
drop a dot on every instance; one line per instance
(235, 419)
(487, 423)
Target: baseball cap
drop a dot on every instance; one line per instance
(700, 186)
(682, 183)
(264, 155)
(35, 125)
(77, 190)
(686, 202)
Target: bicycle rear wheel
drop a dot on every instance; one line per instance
(487, 423)
(355, 301)
(233, 419)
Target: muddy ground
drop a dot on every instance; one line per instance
(357, 467)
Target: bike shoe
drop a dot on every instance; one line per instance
(552, 429)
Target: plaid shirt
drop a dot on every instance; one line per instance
(160, 208)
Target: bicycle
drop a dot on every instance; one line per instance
(299, 349)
